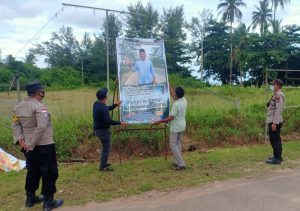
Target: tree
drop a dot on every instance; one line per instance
(142, 22)
(173, 32)
(276, 4)
(198, 33)
(114, 31)
(262, 16)
(216, 51)
(276, 25)
(30, 58)
(62, 49)
(230, 9)
(262, 52)
(239, 57)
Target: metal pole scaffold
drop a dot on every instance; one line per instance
(107, 28)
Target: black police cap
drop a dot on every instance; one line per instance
(102, 93)
(33, 87)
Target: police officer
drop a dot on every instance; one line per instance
(274, 121)
(32, 130)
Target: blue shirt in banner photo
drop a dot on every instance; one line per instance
(145, 71)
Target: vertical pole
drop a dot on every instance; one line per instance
(202, 54)
(18, 89)
(107, 52)
(267, 77)
(231, 56)
(118, 145)
(166, 142)
(82, 80)
(266, 124)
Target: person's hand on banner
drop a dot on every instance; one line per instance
(118, 103)
(124, 124)
(156, 123)
(172, 92)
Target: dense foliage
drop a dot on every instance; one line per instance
(229, 52)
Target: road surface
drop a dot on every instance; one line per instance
(276, 191)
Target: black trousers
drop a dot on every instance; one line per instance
(275, 140)
(41, 163)
(105, 138)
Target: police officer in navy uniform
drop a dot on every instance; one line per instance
(32, 130)
(274, 121)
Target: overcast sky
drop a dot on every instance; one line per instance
(21, 19)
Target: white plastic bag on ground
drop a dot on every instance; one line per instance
(9, 162)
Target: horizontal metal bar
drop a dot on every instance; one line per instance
(133, 129)
(99, 8)
(282, 70)
(292, 107)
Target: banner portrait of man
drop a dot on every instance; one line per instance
(143, 80)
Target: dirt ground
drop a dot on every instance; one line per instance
(274, 191)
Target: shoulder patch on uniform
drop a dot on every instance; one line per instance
(15, 118)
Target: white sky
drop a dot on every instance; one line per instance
(20, 20)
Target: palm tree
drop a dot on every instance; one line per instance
(262, 16)
(239, 60)
(276, 25)
(230, 9)
(276, 3)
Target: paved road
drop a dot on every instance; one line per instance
(277, 191)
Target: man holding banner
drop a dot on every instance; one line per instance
(178, 125)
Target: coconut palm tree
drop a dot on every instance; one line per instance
(275, 5)
(230, 9)
(276, 25)
(262, 16)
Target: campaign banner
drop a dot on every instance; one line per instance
(143, 80)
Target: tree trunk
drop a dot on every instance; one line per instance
(241, 76)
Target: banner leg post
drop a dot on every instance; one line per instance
(166, 142)
(119, 151)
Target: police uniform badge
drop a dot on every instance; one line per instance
(45, 112)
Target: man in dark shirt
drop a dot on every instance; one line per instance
(102, 123)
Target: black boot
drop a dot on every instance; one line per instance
(32, 199)
(50, 203)
(274, 161)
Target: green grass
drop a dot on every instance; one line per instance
(83, 183)
(212, 118)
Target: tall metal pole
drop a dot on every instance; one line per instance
(107, 41)
(82, 80)
(202, 54)
(107, 51)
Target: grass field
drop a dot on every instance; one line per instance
(213, 120)
(82, 183)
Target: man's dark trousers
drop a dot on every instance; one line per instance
(105, 138)
(41, 163)
(275, 140)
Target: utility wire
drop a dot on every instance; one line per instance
(40, 30)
